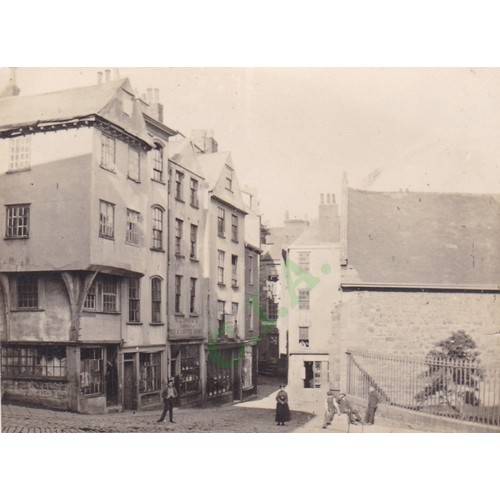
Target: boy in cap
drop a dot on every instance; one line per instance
(331, 408)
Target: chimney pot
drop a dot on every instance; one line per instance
(150, 95)
(108, 74)
(333, 198)
(157, 96)
(99, 77)
(322, 198)
(328, 198)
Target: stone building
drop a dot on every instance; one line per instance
(416, 267)
(83, 260)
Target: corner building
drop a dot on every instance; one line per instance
(83, 260)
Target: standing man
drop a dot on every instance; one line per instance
(346, 407)
(331, 407)
(373, 400)
(169, 396)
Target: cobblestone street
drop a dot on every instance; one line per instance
(229, 418)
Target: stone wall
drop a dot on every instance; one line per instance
(405, 323)
(47, 394)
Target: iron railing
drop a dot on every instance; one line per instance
(460, 389)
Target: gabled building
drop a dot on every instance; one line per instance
(224, 242)
(187, 310)
(83, 260)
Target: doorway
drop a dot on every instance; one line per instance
(111, 376)
(129, 400)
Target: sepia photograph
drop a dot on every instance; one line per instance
(249, 249)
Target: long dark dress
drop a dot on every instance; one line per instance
(282, 409)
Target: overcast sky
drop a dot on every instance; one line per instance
(292, 132)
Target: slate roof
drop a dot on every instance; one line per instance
(69, 104)
(423, 238)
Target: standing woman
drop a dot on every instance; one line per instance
(282, 409)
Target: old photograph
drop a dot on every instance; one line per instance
(250, 250)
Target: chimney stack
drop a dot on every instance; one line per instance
(11, 89)
(204, 139)
(108, 75)
(99, 77)
(116, 73)
(328, 218)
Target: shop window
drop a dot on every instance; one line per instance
(91, 371)
(186, 368)
(246, 368)
(315, 374)
(219, 372)
(149, 371)
(34, 361)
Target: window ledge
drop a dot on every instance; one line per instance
(180, 200)
(221, 235)
(132, 244)
(235, 241)
(157, 250)
(194, 315)
(114, 313)
(195, 206)
(156, 324)
(180, 256)
(193, 259)
(109, 169)
(235, 287)
(27, 309)
(223, 285)
(133, 180)
(134, 323)
(111, 238)
(15, 170)
(16, 238)
(159, 181)
(179, 314)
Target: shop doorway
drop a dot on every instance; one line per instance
(111, 375)
(128, 382)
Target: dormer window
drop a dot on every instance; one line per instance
(229, 179)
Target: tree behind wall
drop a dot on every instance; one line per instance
(453, 373)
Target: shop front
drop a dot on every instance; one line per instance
(185, 369)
